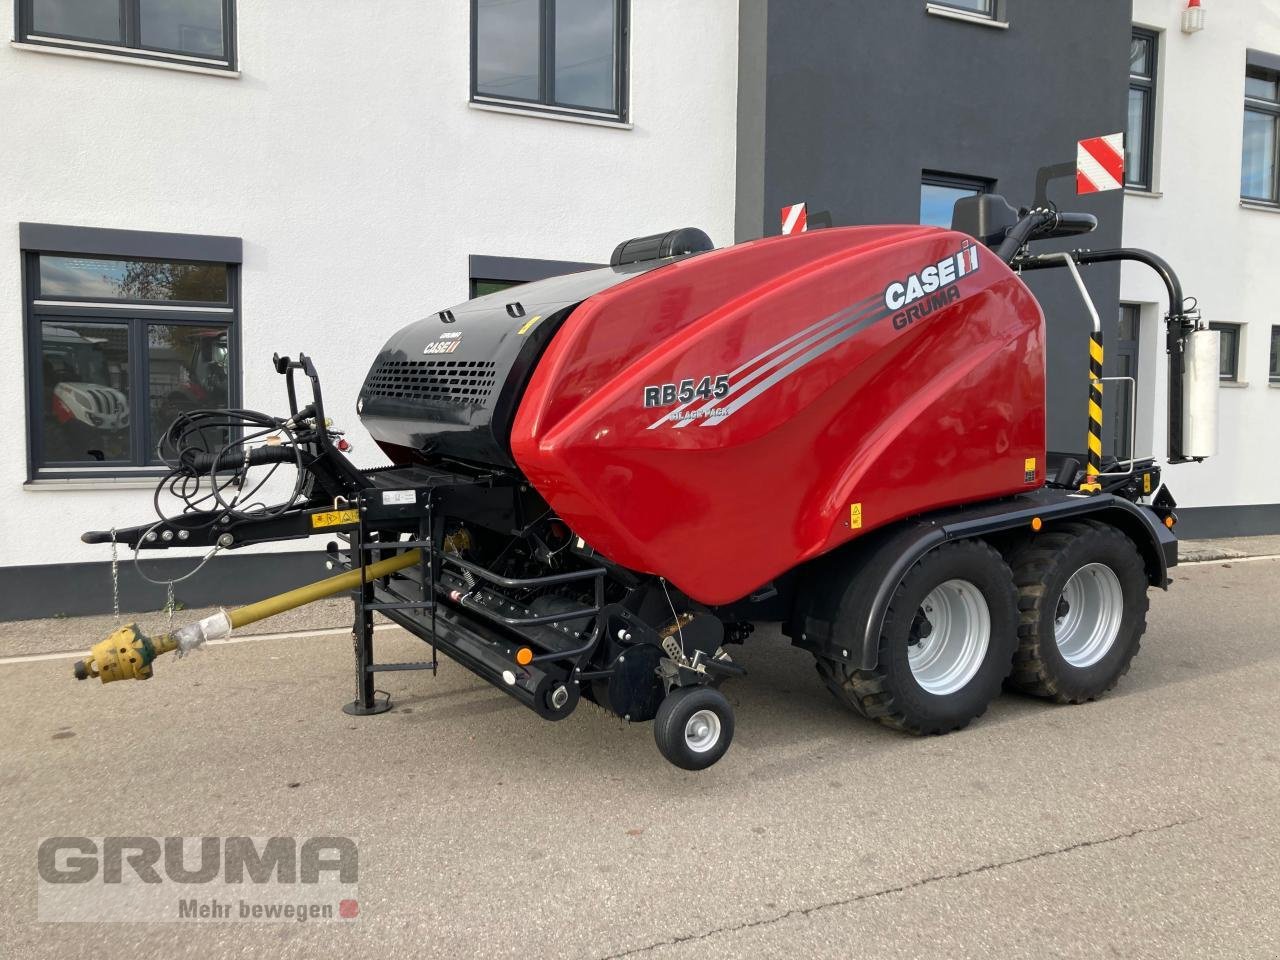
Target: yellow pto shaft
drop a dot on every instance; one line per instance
(127, 654)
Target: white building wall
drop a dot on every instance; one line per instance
(1224, 252)
(348, 159)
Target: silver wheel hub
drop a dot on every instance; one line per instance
(954, 627)
(702, 731)
(1087, 619)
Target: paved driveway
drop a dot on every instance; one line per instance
(1144, 825)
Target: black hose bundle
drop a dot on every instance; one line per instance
(209, 453)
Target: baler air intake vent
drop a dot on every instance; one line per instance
(441, 381)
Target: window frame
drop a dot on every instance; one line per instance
(1145, 181)
(993, 8)
(1238, 328)
(45, 239)
(131, 46)
(1273, 363)
(1256, 64)
(959, 181)
(546, 103)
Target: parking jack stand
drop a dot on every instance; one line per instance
(370, 700)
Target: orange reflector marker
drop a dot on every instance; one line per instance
(524, 656)
(1168, 522)
(1036, 524)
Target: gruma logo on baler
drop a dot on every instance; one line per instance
(936, 282)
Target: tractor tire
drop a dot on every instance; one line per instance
(1082, 604)
(945, 647)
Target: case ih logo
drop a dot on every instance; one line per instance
(937, 282)
(163, 879)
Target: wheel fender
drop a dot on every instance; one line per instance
(843, 612)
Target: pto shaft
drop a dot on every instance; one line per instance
(128, 653)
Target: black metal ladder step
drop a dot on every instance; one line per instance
(420, 665)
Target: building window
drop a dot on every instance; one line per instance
(494, 274)
(1140, 134)
(197, 32)
(557, 56)
(119, 346)
(1273, 371)
(983, 8)
(1258, 180)
(1228, 351)
(940, 191)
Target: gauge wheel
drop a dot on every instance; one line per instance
(694, 727)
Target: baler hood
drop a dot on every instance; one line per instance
(449, 384)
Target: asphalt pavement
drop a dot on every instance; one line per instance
(1144, 825)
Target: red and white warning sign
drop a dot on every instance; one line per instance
(795, 219)
(1100, 164)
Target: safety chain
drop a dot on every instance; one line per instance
(169, 606)
(115, 578)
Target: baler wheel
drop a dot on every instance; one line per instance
(694, 727)
(925, 682)
(1082, 604)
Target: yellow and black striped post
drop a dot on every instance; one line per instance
(1094, 466)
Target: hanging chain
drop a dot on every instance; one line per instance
(115, 578)
(169, 605)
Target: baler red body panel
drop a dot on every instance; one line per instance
(849, 387)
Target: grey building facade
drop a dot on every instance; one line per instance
(852, 105)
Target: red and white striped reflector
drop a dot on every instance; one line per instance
(795, 219)
(1100, 164)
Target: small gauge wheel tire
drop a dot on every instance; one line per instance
(693, 727)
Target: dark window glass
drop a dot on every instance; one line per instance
(566, 54)
(1260, 86)
(508, 48)
(1140, 49)
(585, 68)
(181, 28)
(106, 375)
(1140, 129)
(1122, 361)
(84, 392)
(939, 193)
(481, 287)
(984, 7)
(1127, 331)
(1273, 372)
(1229, 350)
(1259, 175)
(82, 19)
(96, 278)
(188, 368)
(1135, 141)
(1258, 168)
(186, 26)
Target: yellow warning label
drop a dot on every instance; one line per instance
(855, 516)
(334, 518)
(1146, 483)
(528, 325)
(1029, 470)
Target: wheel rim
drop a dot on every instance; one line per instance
(950, 637)
(1087, 619)
(702, 731)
